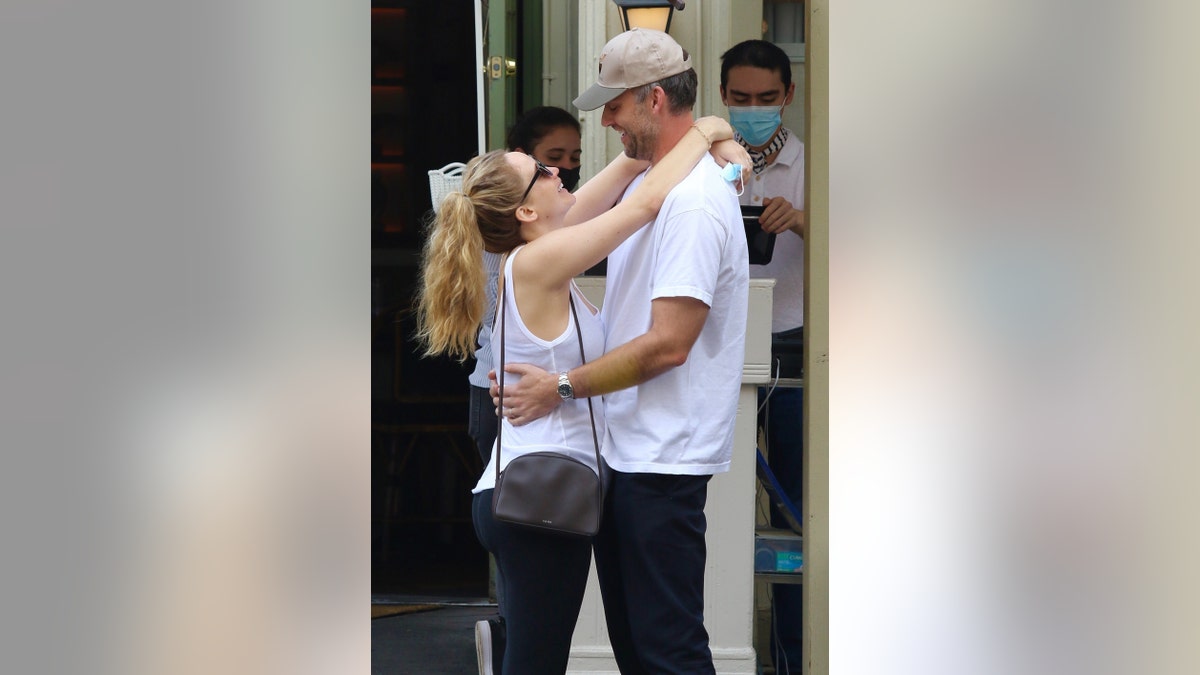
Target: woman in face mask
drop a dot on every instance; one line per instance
(551, 136)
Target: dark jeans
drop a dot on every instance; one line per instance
(544, 576)
(650, 555)
(481, 425)
(782, 419)
(481, 422)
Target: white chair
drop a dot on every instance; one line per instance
(443, 181)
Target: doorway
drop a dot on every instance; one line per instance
(424, 116)
(423, 104)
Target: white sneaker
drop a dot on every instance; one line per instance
(489, 645)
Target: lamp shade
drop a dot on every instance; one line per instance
(654, 14)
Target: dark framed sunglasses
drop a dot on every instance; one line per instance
(541, 170)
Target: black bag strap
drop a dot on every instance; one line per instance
(591, 412)
(500, 376)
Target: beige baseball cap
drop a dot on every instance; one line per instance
(632, 59)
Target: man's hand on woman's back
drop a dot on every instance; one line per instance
(527, 397)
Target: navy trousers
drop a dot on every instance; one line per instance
(783, 423)
(481, 425)
(650, 556)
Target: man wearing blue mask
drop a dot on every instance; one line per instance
(756, 85)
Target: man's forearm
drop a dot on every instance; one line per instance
(631, 364)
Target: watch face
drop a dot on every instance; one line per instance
(564, 390)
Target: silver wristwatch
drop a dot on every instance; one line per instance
(565, 390)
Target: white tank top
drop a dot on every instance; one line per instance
(568, 428)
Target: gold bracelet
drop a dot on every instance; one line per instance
(702, 134)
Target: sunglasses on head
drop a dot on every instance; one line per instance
(540, 170)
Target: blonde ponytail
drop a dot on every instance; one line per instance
(451, 297)
(450, 300)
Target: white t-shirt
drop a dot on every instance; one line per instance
(568, 428)
(782, 178)
(682, 421)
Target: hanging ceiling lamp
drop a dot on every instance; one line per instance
(655, 14)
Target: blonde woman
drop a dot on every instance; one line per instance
(512, 204)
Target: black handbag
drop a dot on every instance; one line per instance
(548, 490)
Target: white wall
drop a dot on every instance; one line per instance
(560, 58)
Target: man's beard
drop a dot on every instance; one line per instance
(640, 145)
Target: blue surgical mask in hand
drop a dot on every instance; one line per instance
(755, 123)
(733, 174)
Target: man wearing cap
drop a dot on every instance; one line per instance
(675, 319)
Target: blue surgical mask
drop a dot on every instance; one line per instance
(755, 123)
(732, 173)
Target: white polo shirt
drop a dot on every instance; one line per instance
(783, 178)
